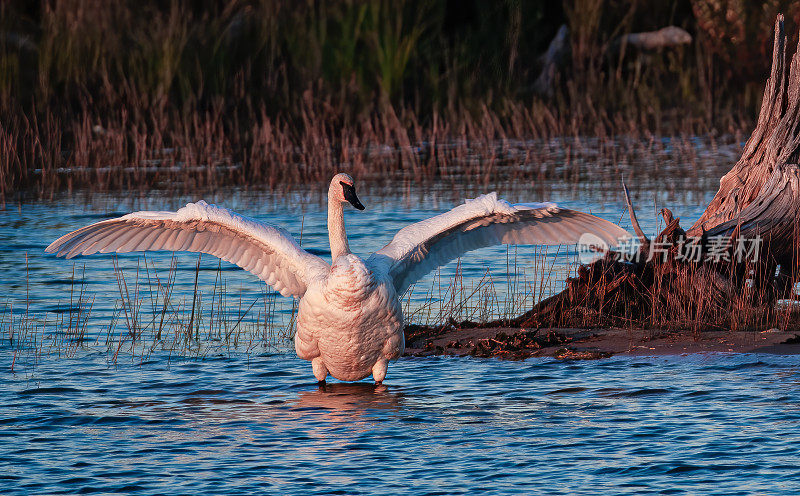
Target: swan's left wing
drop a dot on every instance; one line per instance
(485, 221)
(267, 251)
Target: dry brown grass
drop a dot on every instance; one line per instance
(204, 151)
(254, 93)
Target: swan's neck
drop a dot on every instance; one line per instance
(336, 232)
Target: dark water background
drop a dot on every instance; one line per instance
(111, 414)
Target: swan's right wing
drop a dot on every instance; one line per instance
(268, 252)
(485, 221)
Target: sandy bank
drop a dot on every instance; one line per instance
(581, 344)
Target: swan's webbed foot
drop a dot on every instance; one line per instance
(320, 370)
(379, 370)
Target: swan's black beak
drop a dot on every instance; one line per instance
(350, 195)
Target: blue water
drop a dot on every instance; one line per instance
(716, 424)
(115, 413)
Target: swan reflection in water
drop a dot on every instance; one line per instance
(349, 398)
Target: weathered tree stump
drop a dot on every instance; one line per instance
(760, 196)
(758, 202)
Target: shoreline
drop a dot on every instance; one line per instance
(514, 343)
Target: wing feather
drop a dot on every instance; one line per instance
(126, 240)
(123, 238)
(169, 241)
(485, 221)
(143, 240)
(69, 242)
(91, 236)
(267, 251)
(159, 242)
(203, 242)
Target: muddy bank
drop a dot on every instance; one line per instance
(516, 343)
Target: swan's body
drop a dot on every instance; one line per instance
(349, 322)
(350, 325)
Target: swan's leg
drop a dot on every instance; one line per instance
(379, 370)
(320, 370)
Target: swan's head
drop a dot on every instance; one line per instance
(342, 190)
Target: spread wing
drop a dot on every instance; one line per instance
(485, 221)
(268, 252)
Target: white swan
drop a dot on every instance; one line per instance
(349, 322)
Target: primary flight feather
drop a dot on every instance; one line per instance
(349, 322)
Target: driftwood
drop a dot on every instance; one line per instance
(559, 48)
(653, 40)
(553, 58)
(744, 247)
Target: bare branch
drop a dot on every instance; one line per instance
(636, 228)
